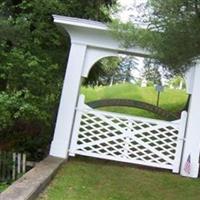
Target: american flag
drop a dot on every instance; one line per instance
(187, 167)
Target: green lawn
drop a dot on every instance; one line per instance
(3, 186)
(171, 100)
(91, 179)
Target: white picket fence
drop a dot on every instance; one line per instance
(12, 165)
(124, 138)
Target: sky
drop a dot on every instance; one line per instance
(126, 12)
(124, 15)
(129, 8)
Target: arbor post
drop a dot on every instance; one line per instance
(190, 158)
(70, 91)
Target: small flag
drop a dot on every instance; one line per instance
(187, 167)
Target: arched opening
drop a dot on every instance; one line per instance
(126, 84)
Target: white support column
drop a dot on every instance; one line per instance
(190, 160)
(77, 123)
(180, 142)
(70, 91)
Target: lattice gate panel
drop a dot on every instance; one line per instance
(129, 139)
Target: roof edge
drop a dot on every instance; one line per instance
(85, 23)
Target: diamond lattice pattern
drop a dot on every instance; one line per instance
(130, 139)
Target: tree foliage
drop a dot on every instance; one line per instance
(111, 70)
(32, 66)
(127, 65)
(151, 72)
(172, 34)
(103, 71)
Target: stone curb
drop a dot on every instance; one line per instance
(33, 182)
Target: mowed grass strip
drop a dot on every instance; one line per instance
(91, 179)
(171, 99)
(3, 186)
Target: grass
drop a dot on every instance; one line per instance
(171, 100)
(90, 179)
(3, 186)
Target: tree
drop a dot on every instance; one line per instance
(103, 71)
(152, 73)
(179, 21)
(172, 35)
(112, 70)
(127, 65)
(177, 82)
(32, 66)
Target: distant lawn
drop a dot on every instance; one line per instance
(90, 179)
(171, 100)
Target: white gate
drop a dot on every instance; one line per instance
(128, 139)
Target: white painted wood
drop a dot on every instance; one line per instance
(192, 142)
(18, 166)
(78, 22)
(189, 78)
(14, 167)
(127, 135)
(18, 163)
(92, 41)
(93, 55)
(148, 120)
(73, 144)
(128, 138)
(65, 117)
(181, 139)
(138, 140)
(94, 34)
(133, 161)
(23, 163)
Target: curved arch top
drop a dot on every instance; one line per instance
(97, 38)
(100, 43)
(95, 34)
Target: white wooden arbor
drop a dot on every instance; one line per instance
(91, 41)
